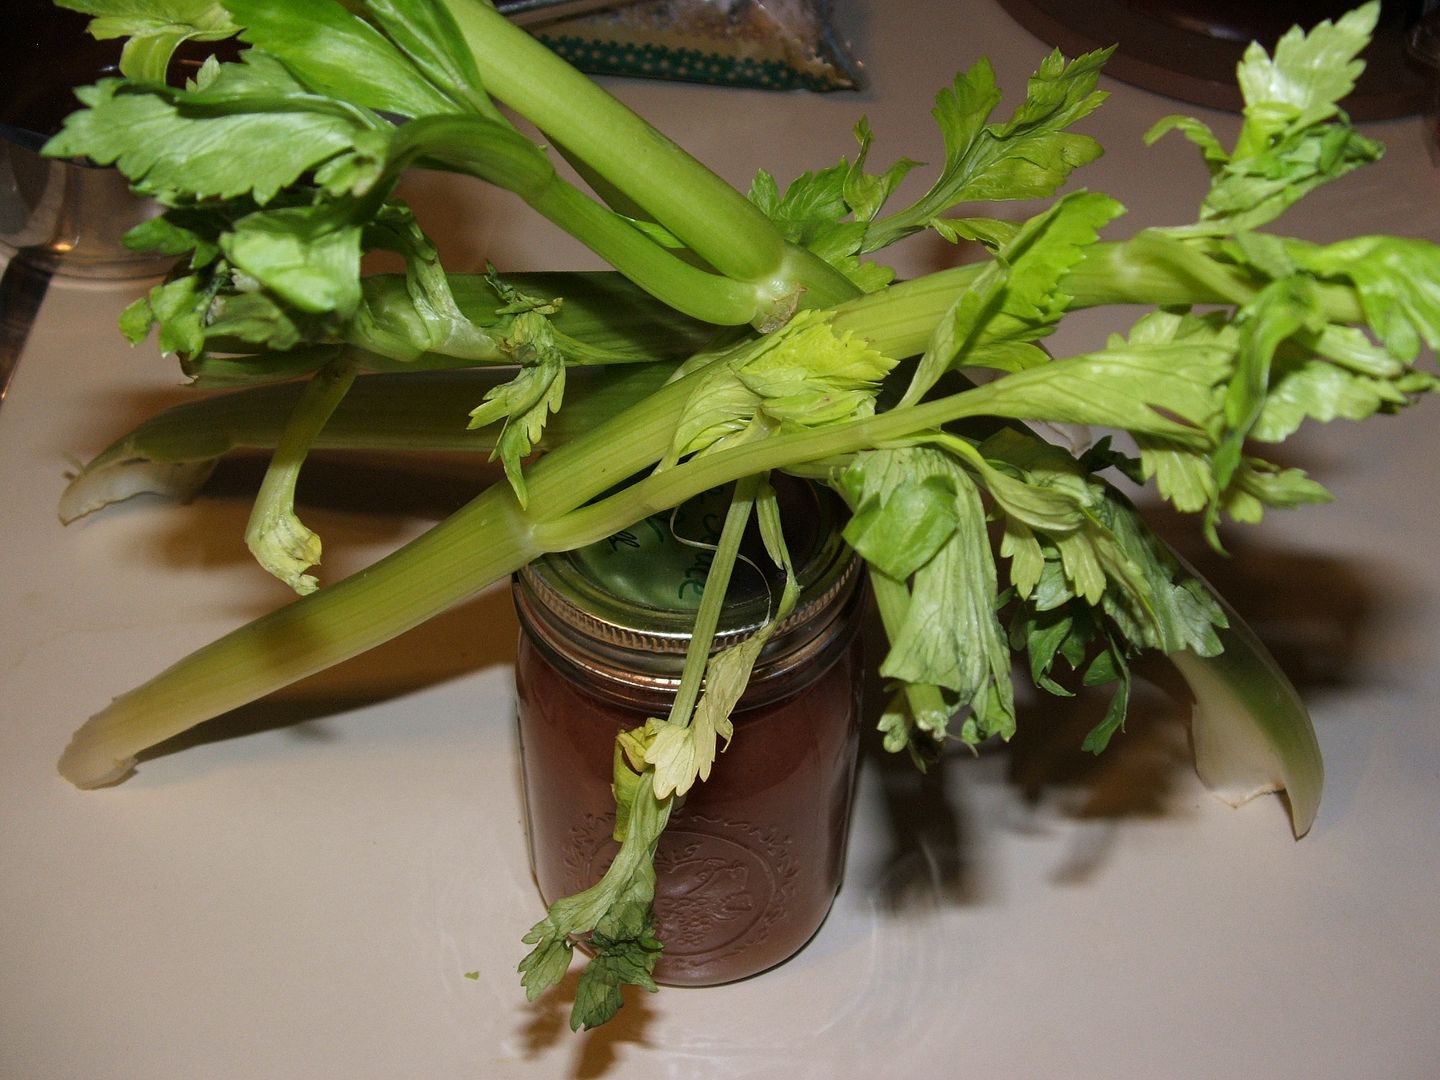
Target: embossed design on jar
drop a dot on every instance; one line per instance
(722, 884)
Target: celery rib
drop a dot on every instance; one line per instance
(478, 545)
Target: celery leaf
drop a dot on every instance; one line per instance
(801, 376)
(950, 636)
(426, 31)
(615, 915)
(337, 54)
(1028, 156)
(1018, 298)
(169, 142)
(308, 256)
(155, 29)
(527, 400)
(1291, 140)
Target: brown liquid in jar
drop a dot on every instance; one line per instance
(752, 858)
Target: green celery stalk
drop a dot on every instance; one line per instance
(278, 539)
(478, 545)
(732, 235)
(491, 537)
(173, 452)
(501, 156)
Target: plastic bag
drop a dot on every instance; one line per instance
(768, 44)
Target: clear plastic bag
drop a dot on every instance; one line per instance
(769, 44)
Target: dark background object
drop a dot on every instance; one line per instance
(44, 54)
(1188, 49)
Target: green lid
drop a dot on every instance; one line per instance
(630, 600)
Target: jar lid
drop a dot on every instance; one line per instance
(626, 605)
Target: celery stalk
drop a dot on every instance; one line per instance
(173, 452)
(732, 235)
(1250, 731)
(485, 540)
(492, 537)
(275, 535)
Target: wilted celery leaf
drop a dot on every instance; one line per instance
(336, 54)
(681, 750)
(616, 913)
(255, 112)
(624, 961)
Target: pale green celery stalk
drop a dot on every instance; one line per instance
(478, 545)
(1150, 269)
(481, 543)
(708, 215)
(1156, 269)
(491, 537)
(1250, 731)
(275, 535)
(503, 157)
(712, 600)
(900, 319)
(174, 452)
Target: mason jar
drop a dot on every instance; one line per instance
(752, 857)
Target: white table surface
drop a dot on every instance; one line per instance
(301, 890)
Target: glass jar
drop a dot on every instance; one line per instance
(752, 857)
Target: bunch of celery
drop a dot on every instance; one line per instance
(739, 336)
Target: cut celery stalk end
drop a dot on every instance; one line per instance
(92, 489)
(1250, 731)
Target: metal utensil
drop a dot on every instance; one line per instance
(22, 289)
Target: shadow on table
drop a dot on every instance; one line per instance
(597, 1050)
(474, 635)
(1312, 611)
(470, 637)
